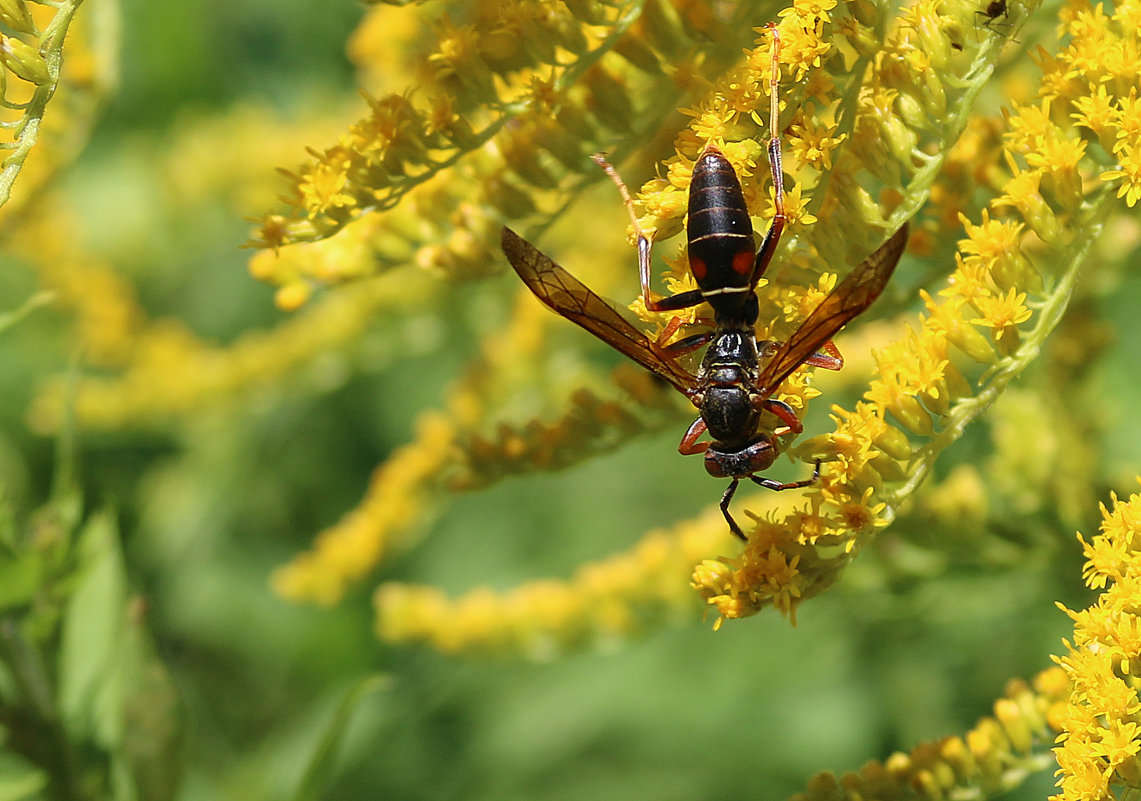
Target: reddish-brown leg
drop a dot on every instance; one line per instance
(772, 236)
(653, 302)
(689, 444)
(784, 412)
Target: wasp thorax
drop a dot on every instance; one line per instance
(729, 414)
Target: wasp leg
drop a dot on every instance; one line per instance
(784, 412)
(772, 236)
(725, 499)
(777, 486)
(689, 444)
(682, 300)
(684, 345)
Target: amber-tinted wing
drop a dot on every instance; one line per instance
(568, 296)
(850, 297)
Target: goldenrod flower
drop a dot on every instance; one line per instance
(992, 757)
(1003, 314)
(1129, 172)
(878, 114)
(321, 188)
(32, 69)
(1097, 750)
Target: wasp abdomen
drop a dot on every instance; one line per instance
(721, 247)
(716, 203)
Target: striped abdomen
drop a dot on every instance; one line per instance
(721, 247)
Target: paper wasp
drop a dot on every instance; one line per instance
(731, 388)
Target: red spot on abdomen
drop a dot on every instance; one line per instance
(743, 262)
(697, 267)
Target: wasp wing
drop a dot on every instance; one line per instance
(570, 298)
(850, 297)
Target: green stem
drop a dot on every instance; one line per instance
(52, 49)
(35, 729)
(1052, 309)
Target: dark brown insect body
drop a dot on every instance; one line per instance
(995, 13)
(722, 253)
(731, 389)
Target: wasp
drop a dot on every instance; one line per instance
(731, 389)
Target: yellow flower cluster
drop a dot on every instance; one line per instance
(169, 373)
(436, 227)
(396, 500)
(406, 487)
(155, 371)
(867, 136)
(982, 314)
(591, 423)
(780, 565)
(993, 757)
(508, 107)
(1098, 749)
(32, 70)
(451, 453)
(603, 601)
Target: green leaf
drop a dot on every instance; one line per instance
(11, 318)
(93, 647)
(152, 710)
(20, 578)
(19, 780)
(324, 758)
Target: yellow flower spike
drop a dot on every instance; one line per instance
(588, 424)
(782, 565)
(1128, 173)
(956, 767)
(946, 319)
(894, 394)
(1022, 192)
(14, 14)
(194, 375)
(553, 98)
(1003, 314)
(602, 601)
(353, 547)
(32, 73)
(1099, 745)
(23, 61)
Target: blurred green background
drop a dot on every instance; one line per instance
(915, 643)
